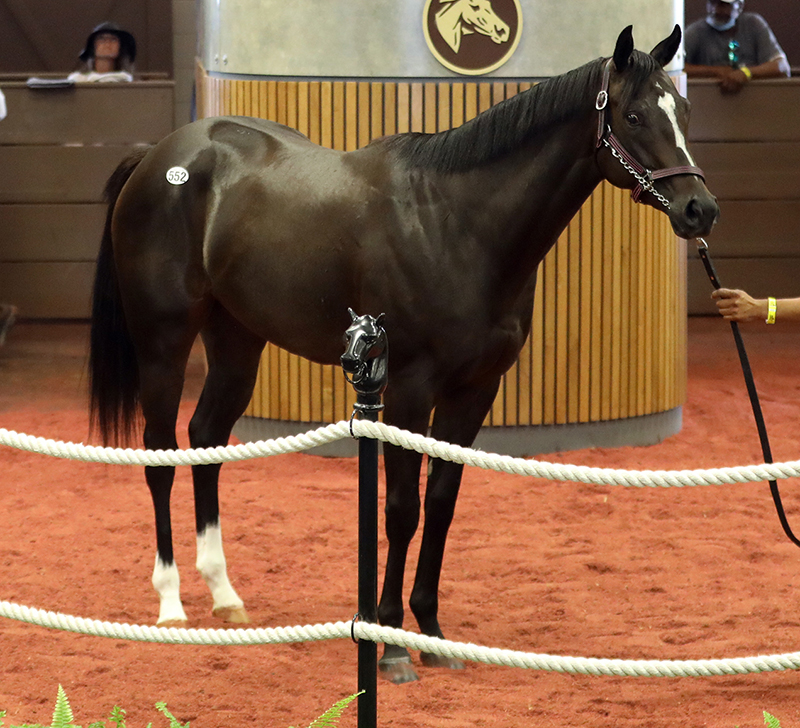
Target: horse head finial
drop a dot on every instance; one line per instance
(365, 360)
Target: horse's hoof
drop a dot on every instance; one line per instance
(173, 623)
(397, 670)
(232, 615)
(431, 660)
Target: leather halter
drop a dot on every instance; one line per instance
(605, 136)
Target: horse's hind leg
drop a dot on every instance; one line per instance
(233, 354)
(163, 354)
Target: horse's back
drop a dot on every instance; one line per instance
(256, 216)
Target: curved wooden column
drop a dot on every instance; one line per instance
(608, 340)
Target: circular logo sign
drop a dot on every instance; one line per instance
(472, 36)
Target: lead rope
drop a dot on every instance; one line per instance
(645, 179)
(702, 249)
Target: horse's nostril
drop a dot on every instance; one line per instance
(693, 209)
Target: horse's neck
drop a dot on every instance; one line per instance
(529, 196)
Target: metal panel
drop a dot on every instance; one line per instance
(384, 39)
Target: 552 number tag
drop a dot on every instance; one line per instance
(177, 175)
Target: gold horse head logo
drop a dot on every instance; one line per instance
(462, 17)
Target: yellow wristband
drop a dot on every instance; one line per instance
(772, 308)
(746, 71)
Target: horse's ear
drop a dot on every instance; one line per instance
(665, 51)
(622, 52)
(353, 315)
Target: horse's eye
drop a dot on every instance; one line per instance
(633, 119)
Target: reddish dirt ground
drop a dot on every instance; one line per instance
(531, 565)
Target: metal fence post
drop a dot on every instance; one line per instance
(365, 366)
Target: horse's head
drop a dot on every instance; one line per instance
(366, 351)
(462, 17)
(479, 16)
(642, 136)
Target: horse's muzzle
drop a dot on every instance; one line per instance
(353, 366)
(695, 217)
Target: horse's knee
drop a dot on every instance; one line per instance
(425, 608)
(402, 520)
(391, 615)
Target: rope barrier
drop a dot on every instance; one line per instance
(409, 441)
(410, 640)
(374, 632)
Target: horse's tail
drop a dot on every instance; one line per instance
(113, 370)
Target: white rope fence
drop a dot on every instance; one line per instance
(410, 640)
(374, 632)
(409, 441)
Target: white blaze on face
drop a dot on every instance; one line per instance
(666, 103)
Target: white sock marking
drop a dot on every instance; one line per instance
(167, 583)
(212, 567)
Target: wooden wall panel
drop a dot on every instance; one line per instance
(94, 114)
(38, 232)
(749, 146)
(610, 301)
(49, 289)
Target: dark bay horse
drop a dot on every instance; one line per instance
(242, 231)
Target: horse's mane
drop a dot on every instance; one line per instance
(505, 126)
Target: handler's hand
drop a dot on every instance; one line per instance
(735, 305)
(732, 80)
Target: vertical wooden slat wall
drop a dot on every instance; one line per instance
(609, 323)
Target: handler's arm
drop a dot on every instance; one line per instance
(736, 305)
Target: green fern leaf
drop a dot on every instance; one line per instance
(329, 717)
(62, 714)
(173, 721)
(771, 720)
(117, 716)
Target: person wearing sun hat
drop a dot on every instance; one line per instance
(732, 46)
(108, 55)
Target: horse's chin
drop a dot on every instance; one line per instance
(690, 231)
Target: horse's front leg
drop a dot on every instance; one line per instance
(402, 518)
(457, 421)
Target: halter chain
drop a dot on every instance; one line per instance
(644, 176)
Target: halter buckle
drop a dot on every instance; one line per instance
(602, 100)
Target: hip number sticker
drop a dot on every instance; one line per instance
(177, 175)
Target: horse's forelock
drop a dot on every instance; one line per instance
(639, 70)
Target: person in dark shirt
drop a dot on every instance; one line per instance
(732, 46)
